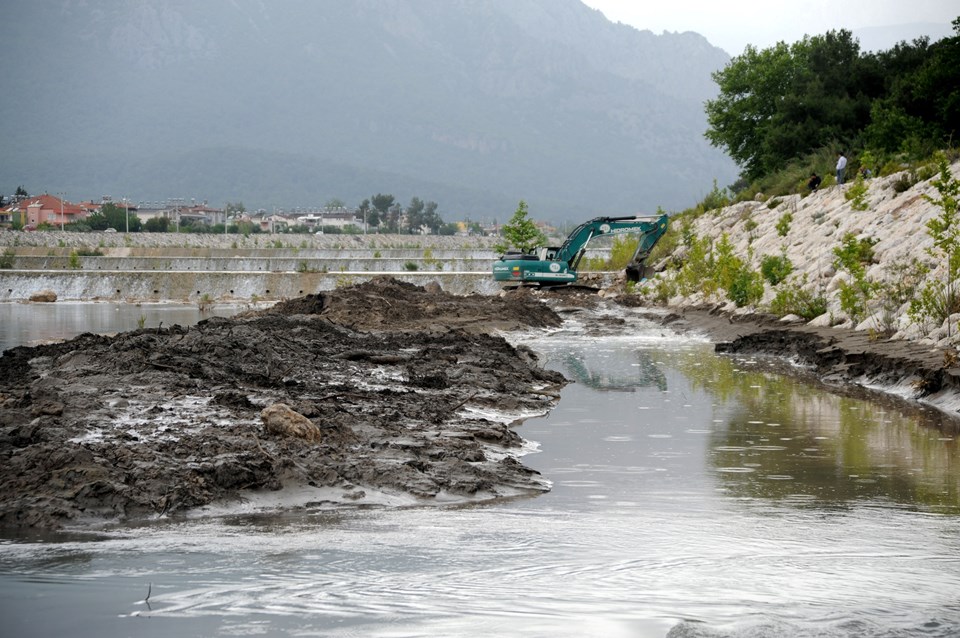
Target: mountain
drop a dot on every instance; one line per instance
(475, 104)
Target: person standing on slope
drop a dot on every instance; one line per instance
(841, 166)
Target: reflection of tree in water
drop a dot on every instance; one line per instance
(783, 439)
(643, 375)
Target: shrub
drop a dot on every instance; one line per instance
(793, 299)
(696, 274)
(941, 298)
(851, 256)
(716, 198)
(904, 183)
(857, 194)
(746, 288)
(775, 268)
(783, 224)
(727, 266)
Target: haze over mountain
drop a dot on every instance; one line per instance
(883, 38)
(475, 104)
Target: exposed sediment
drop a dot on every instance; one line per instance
(411, 397)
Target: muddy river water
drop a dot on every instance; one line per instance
(693, 496)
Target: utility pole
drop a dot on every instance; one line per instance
(62, 194)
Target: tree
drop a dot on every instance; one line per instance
(431, 218)
(392, 219)
(116, 217)
(234, 208)
(382, 202)
(381, 205)
(367, 215)
(920, 108)
(448, 230)
(21, 194)
(520, 232)
(414, 216)
(157, 225)
(784, 102)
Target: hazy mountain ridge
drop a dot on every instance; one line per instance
(488, 101)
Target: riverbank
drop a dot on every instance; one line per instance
(887, 222)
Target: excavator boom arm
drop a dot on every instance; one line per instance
(557, 266)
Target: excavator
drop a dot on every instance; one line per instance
(556, 266)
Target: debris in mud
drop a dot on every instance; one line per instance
(388, 390)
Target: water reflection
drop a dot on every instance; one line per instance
(777, 438)
(35, 323)
(643, 373)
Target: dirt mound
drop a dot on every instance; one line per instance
(159, 422)
(384, 303)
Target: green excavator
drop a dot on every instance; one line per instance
(556, 266)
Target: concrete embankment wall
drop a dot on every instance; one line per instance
(178, 267)
(321, 263)
(193, 286)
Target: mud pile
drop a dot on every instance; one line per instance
(386, 303)
(408, 398)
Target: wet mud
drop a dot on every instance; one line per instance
(379, 393)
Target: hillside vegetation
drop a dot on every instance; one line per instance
(880, 252)
(800, 104)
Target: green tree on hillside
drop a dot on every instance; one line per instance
(920, 108)
(786, 101)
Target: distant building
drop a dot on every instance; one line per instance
(338, 217)
(40, 209)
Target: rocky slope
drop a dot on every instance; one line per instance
(895, 221)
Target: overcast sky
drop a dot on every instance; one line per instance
(732, 24)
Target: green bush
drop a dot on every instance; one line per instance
(857, 194)
(783, 224)
(775, 268)
(792, 299)
(746, 288)
(696, 274)
(941, 298)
